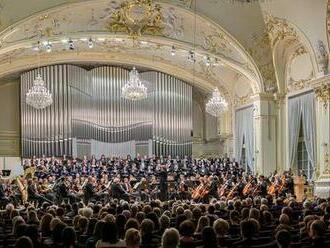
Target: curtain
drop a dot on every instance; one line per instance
(309, 129)
(244, 132)
(302, 109)
(294, 115)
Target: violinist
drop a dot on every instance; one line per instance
(3, 197)
(184, 193)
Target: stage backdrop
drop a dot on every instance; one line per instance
(89, 116)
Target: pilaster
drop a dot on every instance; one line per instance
(265, 134)
(322, 184)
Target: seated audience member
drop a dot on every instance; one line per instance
(32, 232)
(170, 238)
(44, 225)
(209, 238)
(221, 228)
(23, 242)
(97, 234)
(249, 229)
(316, 233)
(283, 238)
(148, 238)
(186, 231)
(69, 238)
(132, 238)
(203, 222)
(110, 237)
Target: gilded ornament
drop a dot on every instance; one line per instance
(299, 51)
(279, 29)
(322, 57)
(137, 17)
(215, 43)
(323, 94)
(297, 84)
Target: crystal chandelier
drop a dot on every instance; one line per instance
(38, 95)
(134, 89)
(217, 104)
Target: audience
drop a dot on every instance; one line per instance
(258, 222)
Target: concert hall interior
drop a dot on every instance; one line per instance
(164, 123)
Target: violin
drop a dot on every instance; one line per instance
(247, 188)
(232, 191)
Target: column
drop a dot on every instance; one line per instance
(322, 184)
(264, 134)
(225, 131)
(281, 131)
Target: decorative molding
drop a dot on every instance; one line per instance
(323, 94)
(242, 100)
(294, 85)
(322, 57)
(137, 17)
(300, 50)
(328, 22)
(167, 25)
(279, 29)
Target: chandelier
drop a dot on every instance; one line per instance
(217, 104)
(38, 95)
(134, 89)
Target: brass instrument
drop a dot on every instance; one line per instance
(29, 172)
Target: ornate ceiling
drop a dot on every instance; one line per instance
(237, 39)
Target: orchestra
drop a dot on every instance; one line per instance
(62, 179)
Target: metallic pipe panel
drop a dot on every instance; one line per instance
(88, 106)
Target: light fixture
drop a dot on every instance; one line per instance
(191, 56)
(71, 44)
(207, 61)
(134, 89)
(173, 51)
(216, 104)
(38, 96)
(48, 47)
(90, 43)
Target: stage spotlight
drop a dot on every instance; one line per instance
(90, 43)
(207, 61)
(48, 47)
(71, 45)
(173, 51)
(191, 56)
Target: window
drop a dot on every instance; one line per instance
(303, 163)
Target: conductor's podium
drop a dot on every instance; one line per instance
(299, 188)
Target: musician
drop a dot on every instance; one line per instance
(163, 186)
(3, 198)
(33, 194)
(88, 190)
(183, 188)
(118, 191)
(263, 186)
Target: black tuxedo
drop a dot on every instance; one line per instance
(88, 192)
(118, 191)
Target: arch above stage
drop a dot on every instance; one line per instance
(160, 27)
